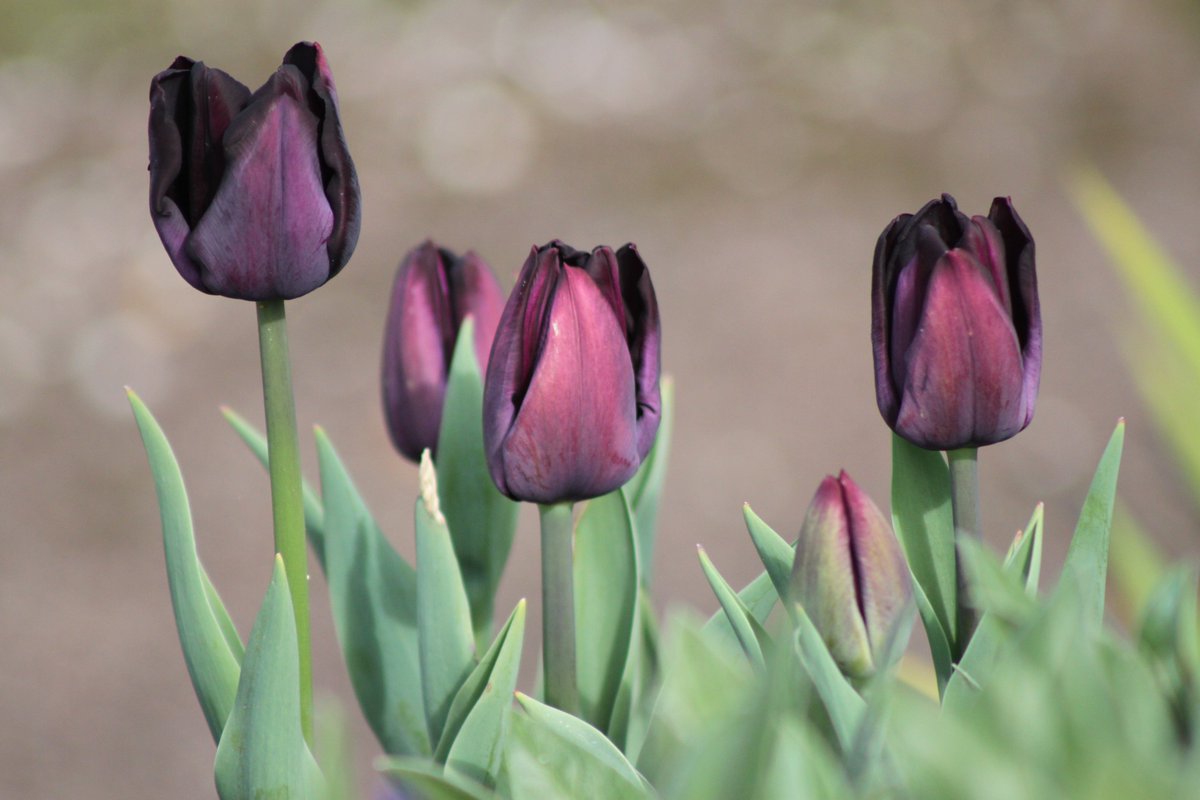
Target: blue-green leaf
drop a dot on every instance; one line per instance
(314, 514)
(373, 595)
(427, 781)
(1024, 557)
(478, 748)
(606, 602)
(211, 647)
(844, 705)
(645, 488)
(1086, 567)
(774, 551)
(924, 523)
(481, 520)
(939, 646)
(749, 632)
(475, 684)
(759, 598)
(554, 754)
(262, 751)
(444, 633)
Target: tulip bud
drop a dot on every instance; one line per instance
(955, 326)
(434, 291)
(571, 403)
(850, 575)
(254, 195)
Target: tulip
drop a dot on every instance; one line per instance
(254, 195)
(571, 401)
(850, 575)
(955, 326)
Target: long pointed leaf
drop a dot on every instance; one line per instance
(844, 705)
(373, 595)
(644, 490)
(478, 748)
(210, 644)
(314, 514)
(262, 751)
(481, 520)
(750, 634)
(924, 523)
(606, 602)
(773, 550)
(1086, 567)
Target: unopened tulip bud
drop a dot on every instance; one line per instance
(254, 195)
(571, 402)
(850, 575)
(956, 326)
(434, 292)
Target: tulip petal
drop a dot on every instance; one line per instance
(964, 379)
(1022, 278)
(643, 332)
(985, 242)
(474, 291)
(574, 436)
(265, 233)
(415, 359)
(880, 569)
(337, 168)
(823, 579)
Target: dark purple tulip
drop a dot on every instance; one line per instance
(434, 292)
(955, 325)
(850, 575)
(253, 195)
(571, 404)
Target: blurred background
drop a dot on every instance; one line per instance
(753, 150)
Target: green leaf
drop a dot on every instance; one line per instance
(482, 521)
(211, 647)
(774, 551)
(475, 684)
(606, 603)
(314, 514)
(844, 705)
(924, 523)
(645, 488)
(635, 699)
(1024, 558)
(373, 595)
(262, 751)
(554, 754)
(759, 598)
(749, 632)
(1087, 557)
(478, 745)
(939, 646)
(444, 633)
(427, 781)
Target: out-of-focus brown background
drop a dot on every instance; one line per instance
(753, 150)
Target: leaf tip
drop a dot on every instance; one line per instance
(427, 477)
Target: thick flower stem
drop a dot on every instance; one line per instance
(286, 501)
(964, 497)
(558, 607)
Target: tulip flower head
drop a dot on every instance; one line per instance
(571, 401)
(434, 292)
(850, 575)
(955, 325)
(254, 195)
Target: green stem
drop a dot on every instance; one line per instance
(964, 498)
(286, 501)
(558, 607)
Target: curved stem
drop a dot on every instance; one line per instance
(286, 500)
(964, 498)
(558, 607)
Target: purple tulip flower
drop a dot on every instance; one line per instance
(850, 575)
(435, 290)
(955, 325)
(253, 195)
(571, 403)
